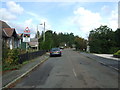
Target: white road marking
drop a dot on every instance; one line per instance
(108, 65)
(114, 68)
(74, 73)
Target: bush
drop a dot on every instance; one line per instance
(12, 57)
(113, 50)
(4, 53)
(117, 53)
(10, 67)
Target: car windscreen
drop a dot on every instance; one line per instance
(55, 49)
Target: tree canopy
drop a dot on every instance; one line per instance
(103, 40)
(52, 39)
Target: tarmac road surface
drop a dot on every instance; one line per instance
(71, 70)
(105, 59)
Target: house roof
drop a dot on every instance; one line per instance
(33, 40)
(7, 31)
(33, 44)
(4, 24)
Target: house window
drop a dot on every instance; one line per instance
(11, 46)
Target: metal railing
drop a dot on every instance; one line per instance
(29, 56)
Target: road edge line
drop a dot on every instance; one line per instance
(109, 66)
(21, 76)
(103, 63)
(114, 68)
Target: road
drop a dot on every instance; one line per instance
(72, 70)
(106, 61)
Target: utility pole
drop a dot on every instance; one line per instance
(37, 37)
(44, 33)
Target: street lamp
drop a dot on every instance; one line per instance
(43, 32)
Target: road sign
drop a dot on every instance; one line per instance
(26, 35)
(27, 30)
(26, 39)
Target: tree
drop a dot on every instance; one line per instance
(37, 34)
(56, 40)
(48, 44)
(40, 41)
(117, 37)
(80, 43)
(102, 40)
(71, 39)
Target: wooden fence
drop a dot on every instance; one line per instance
(29, 56)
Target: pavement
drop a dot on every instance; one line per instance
(108, 56)
(10, 78)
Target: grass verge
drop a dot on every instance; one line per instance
(7, 67)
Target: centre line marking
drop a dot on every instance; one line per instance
(74, 73)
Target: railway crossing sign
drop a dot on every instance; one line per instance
(26, 35)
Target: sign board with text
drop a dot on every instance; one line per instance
(26, 35)
(26, 39)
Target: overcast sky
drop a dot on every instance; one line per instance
(76, 17)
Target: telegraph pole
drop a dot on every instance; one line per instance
(44, 33)
(37, 37)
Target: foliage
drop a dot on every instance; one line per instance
(102, 40)
(52, 39)
(114, 49)
(48, 41)
(4, 53)
(117, 37)
(80, 43)
(12, 57)
(117, 53)
(37, 34)
(10, 60)
(10, 67)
